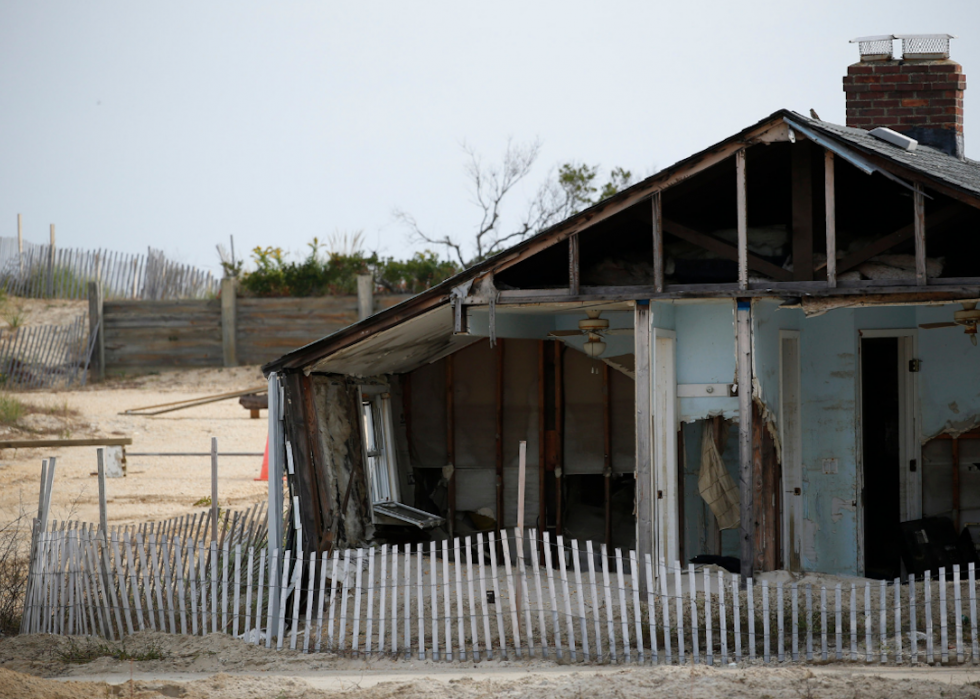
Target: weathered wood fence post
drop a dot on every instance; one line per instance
(96, 331)
(365, 296)
(228, 329)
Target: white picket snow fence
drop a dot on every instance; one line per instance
(578, 606)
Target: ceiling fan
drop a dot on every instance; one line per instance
(968, 318)
(595, 328)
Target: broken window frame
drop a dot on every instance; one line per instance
(380, 455)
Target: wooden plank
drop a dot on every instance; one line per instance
(511, 596)
(447, 586)
(434, 606)
(913, 635)
(358, 574)
(665, 608)
(249, 566)
(236, 602)
(709, 650)
(566, 594)
(310, 590)
(809, 623)
(830, 217)
(971, 573)
(882, 622)
(369, 619)
(742, 220)
(334, 584)
(488, 638)
(898, 619)
(156, 575)
(133, 583)
(179, 570)
(746, 482)
(957, 612)
(420, 598)
(679, 602)
(750, 616)
(225, 555)
(549, 571)
(765, 621)
(213, 559)
(869, 647)
(56, 443)
(383, 598)
(318, 638)
(657, 231)
(610, 607)
(474, 633)
(736, 619)
(590, 557)
(919, 232)
(795, 621)
(460, 612)
(580, 593)
(651, 610)
(838, 629)
(284, 581)
(780, 623)
(692, 588)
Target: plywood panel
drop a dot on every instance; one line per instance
(476, 407)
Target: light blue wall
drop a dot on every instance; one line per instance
(705, 354)
(949, 383)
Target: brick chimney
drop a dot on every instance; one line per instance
(919, 95)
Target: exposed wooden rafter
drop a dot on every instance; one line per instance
(727, 250)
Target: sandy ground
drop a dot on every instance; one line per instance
(223, 668)
(155, 487)
(27, 312)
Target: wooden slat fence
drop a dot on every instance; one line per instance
(64, 273)
(45, 356)
(456, 600)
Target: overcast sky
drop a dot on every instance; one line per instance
(177, 124)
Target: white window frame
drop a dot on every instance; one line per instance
(382, 461)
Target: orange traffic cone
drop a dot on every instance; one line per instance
(264, 475)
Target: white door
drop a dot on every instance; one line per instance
(665, 444)
(790, 437)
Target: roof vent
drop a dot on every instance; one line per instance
(925, 47)
(875, 48)
(895, 138)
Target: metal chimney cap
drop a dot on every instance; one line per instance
(924, 47)
(875, 48)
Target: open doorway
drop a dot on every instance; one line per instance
(891, 477)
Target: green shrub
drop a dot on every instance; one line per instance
(11, 409)
(335, 274)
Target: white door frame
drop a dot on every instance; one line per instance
(791, 441)
(665, 486)
(910, 443)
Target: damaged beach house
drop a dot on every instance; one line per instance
(767, 351)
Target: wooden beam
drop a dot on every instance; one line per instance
(746, 487)
(499, 352)
(55, 443)
(720, 247)
(892, 239)
(919, 224)
(574, 272)
(451, 444)
(658, 242)
(607, 453)
(645, 498)
(802, 216)
(830, 208)
(742, 222)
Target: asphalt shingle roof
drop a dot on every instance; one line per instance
(963, 174)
